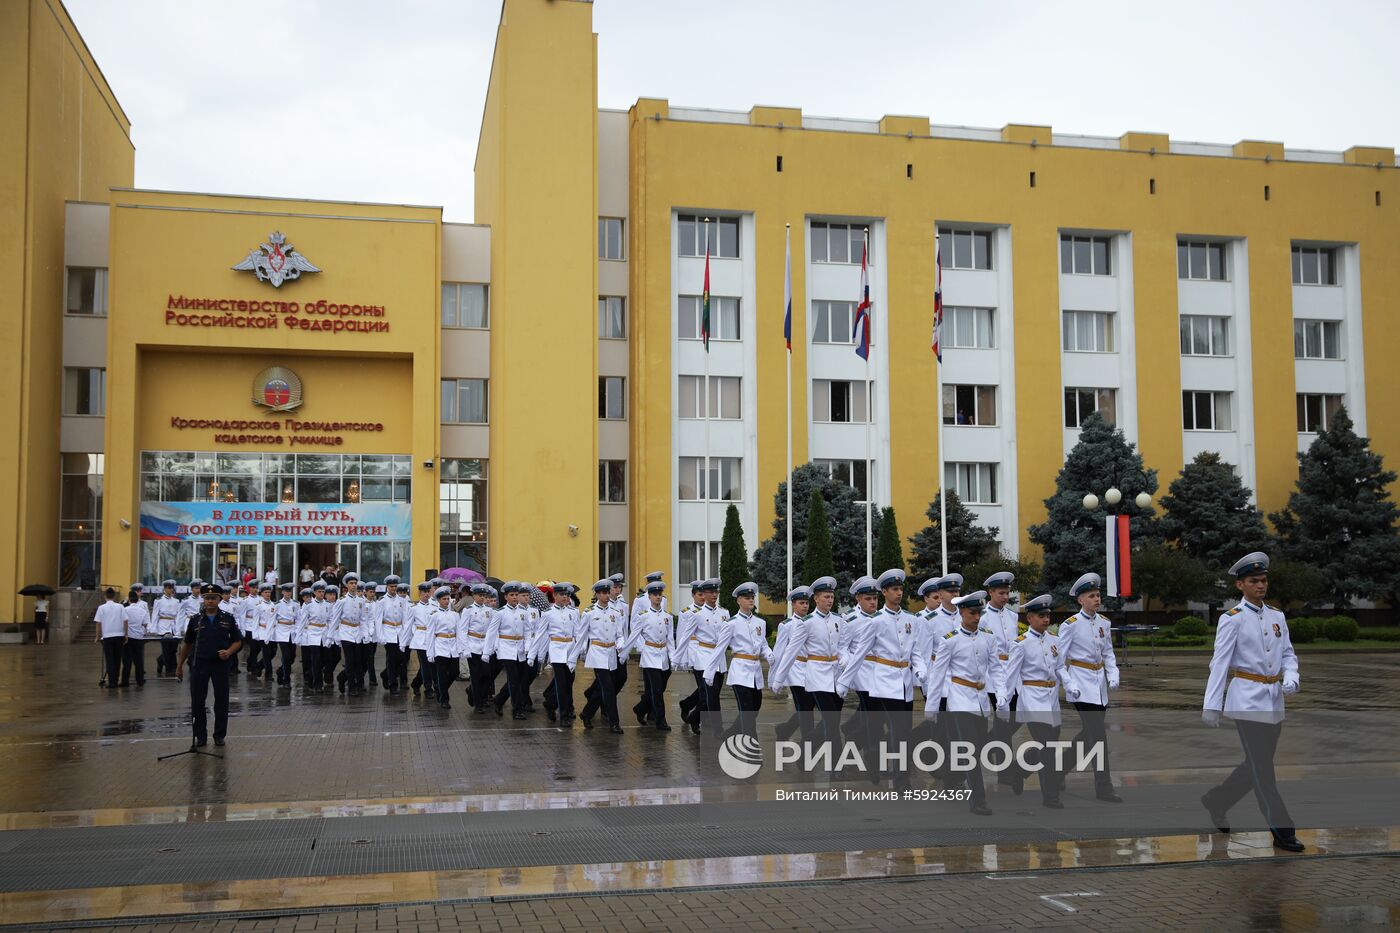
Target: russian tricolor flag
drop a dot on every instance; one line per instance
(861, 332)
(1120, 562)
(787, 294)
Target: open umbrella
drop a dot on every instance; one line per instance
(464, 574)
(37, 589)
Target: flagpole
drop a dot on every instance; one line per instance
(787, 310)
(869, 417)
(705, 403)
(938, 412)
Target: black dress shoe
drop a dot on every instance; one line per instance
(980, 810)
(1218, 818)
(640, 714)
(662, 727)
(694, 723)
(415, 691)
(1054, 804)
(551, 715)
(445, 704)
(1017, 784)
(219, 742)
(587, 723)
(1288, 844)
(1109, 796)
(199, 743)
(615, 728)
(518, 714)
(500, 709)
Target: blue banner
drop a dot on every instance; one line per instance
(280, 521)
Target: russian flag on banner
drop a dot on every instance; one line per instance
(787, 294)
(861, 331)
(937, 300)
(1120, 562)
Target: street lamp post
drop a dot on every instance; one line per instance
(1117, 560)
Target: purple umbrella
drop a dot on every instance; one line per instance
(464, 574)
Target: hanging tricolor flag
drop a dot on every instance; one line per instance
(705, 305)
(1119, 576)
(787, 294)
(861, 331)
(937, 300)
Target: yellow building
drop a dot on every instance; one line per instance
(1205, 297)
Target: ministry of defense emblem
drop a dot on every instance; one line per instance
(275, 261)
(277, 388)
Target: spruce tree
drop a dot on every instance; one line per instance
(1207, 514)
(1025, 570)
(1341, 517)
(816, 559)
(889, 553)
(968, 542)
(733, 560)
(1072, 537)
(845, 524)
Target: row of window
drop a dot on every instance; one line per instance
(193, 476)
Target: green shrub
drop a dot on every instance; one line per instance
(1381, 634)
(1341, 628)
(1302, 630)
(1190, 625)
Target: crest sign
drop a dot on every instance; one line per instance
(277, 388)
(275, 261)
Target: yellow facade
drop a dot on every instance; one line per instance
(63, 136)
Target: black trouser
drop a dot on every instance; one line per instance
(893, 724)
(367, 652)
(330, 660)
(289, 654)
(352, 676)
(560, 696)
(749, 700)
(269, 651)
(425, 677)
(802, 706)
(395, 667)
(1004, 730)
(654, 680)
(1094, 729)
(254, 651)
(970, 727)
(1043, 733)
(709, 696)
(169, 650)
(1256, 772)
(311, 674)
(446, 670)
(480, 689)
(112, 658)
(605, 695)
(202, 674)
(829, 705)
(514, 688)
(134, 656)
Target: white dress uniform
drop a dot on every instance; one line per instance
(475, 618)
(653, 637)
(166, 608)
(559, 628)
(705, 655)
(746, 638)
(600, 632)
(936, 624)
(640, 604)
(785, 670)
(1253, 666)
(685, 634)
(392, 618)
(852, 676)
(284, 620)
(138, 620)
(421, 625)
(443, 643)
(506, 635)
(1005, 625)
(1092, 670)
(966, 666)
(879, 654)
(264, 620)
(315, 629)
(189, 608)
(820, 639)
(1034, 673)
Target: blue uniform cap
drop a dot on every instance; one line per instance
(616, 578)
(823, 585)
(1086, 584)
(973, 600)
(928, 586)
(350, 577)
(211, 589)
(332, 589)
(800, 592)
(1004, 578)
(1253, 563)
(603, 586)
(656, 586)
(746, 589)
(392, 580)
(891, 578)
(864, 585)
(168, 583)
(654, 576)
(952, 581)
(442, 591)
(1041, 603)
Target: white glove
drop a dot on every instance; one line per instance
(572, 665)
(1211, 717)
(1072, 693)
(1113, 682)
(1003, 710)
(1290, 684)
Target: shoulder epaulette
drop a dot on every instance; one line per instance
(1020, 638)
(1069, 620)
(950, 634)
(1233, 612)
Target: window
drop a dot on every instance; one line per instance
(611, 398)
(851, 472)
(719, 234)
(833, 321)
(612, 558)
(84, 391)
(87, 292)
(80, 519)
(693, 566)
(1317, 340)
(1315, 412)
(464, 304)
(1205, 335)
(612, 317)
(839, 242)
(191, 476)
(724, 401)
(610, 238)
(1081, 403)
(841, 401)
(974, 405)
(1088, 331)
(965, 249)
(726, 483)
(612, 480)
(1314, 265)
(1205, 411)
(975, 483)
(464, 401)
(724, 318)
(1085, 255)
(462, 514)
(970, 328)
(1197, 259)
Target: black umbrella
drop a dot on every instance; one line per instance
(37, 589)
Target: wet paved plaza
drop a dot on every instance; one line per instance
(325, 800)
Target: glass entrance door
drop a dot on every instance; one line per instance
(204, 560)
(286, 561)
(248, 559)
(350, 555)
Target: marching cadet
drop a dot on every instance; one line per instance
(536, 637)
(394, 633)
(420, 618)
(213, 638)
(654, 637)
(312, 637)
(560, 627)
(349, 622)
(999, 619)
(866, 592)
(138, 619)
(189, 607)
(264, 625)
(164, 612)
(746, 637)
(881, 654)
(331, 655)
(600, 632)
(482, 685)
(1252, 669)
(369, 641)
(965, 664)
(1031, 688)
(617, 600)
(643, 601)
(243, 605)
(685, 637)
(821, 643)
(442, 647)
(709, 679)
(789, 665)
(284, 623)
(507, 638)
(1086, 638)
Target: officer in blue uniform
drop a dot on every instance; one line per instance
(213, 637)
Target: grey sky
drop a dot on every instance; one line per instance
(372, 101)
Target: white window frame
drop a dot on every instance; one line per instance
(1216, 267)
(726, 314)
(713, 225)
(1303, 255)
(607, 242)
(451, 412)
(612, 309)
(983, 324)
(1100, 393)
(855, 236)
(454, 290)
(974, 482)
(1194, 325)
(1324, 414)
(1072, 240)
(1220, 405)
(693, 552)
(723, 390)
(822, 389)
(950, 404)
(612, 558)
(98, 373)
(99, 291)
(822, 332)
(726, 473)
(1101, 331)
(844, 471)
(606, 396)
(1301, 326)
(604, 487)
(952, 241)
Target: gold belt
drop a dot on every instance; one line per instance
(511, 637)
(1087, 665)
(445, 635)
(1257, 678)
(560, 638)
(1038, 683)
(800, 658)
(386, 622)
(1003, 657)
(975, 685)
(740, 656)
(471, 634)
(349, 624)
(602, 644)
(886, 661)
(656, 644)
(703, 644)
(819, 657)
